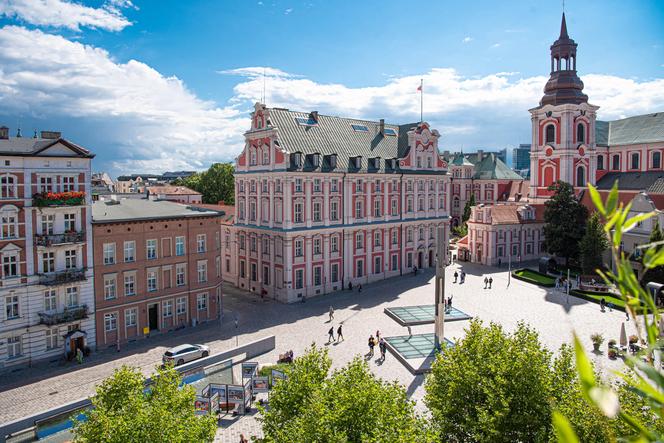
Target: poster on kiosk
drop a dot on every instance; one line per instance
(235, 395)
(249, 369)
(202, 405)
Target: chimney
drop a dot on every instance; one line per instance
(382, 126)
(51, 135)
(4, 133)
(314, 116)
(480, 155)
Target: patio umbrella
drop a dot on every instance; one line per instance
(623, 336)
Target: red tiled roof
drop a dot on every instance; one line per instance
(172, 190)
(624, 197)
(509, 215)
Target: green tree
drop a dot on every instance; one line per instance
(593, 245)
(349, 405)
(494, 386)
(216, 184)
(466, 209)
(655, 274)
(565, 219)
(123, 412)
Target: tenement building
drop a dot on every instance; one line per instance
(46, 285)
(157, 268)
(326, 202)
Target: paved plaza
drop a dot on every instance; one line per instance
(299, 325)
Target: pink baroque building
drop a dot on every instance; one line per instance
(503, 232)
(323, 202)
(570, 144)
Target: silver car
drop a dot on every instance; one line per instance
(182, 354)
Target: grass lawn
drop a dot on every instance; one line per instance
(530, 276)
(615, 300)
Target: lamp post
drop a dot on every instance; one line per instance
(441, 265)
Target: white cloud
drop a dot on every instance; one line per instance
(147, 121)
(467, 39)
(156, 120)
(67, 14)
(288, 11)
(496, 45)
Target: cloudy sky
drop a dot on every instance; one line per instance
(169, 84)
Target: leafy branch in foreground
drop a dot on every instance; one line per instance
(643, 423)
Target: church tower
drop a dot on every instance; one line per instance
(563, 125)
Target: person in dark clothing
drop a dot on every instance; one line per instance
(456, 276)
(350, 285)
(486, 282)
(330, 335)
(490, 282)
(340, 334)
(383, 349)
(372, 343)
(602, 305)
(359, 288)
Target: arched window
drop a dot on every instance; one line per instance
(456, 202)
(635, 161)
(615, 162)
(656, 160)
(600, 162)
(580, 176)
(550, 133)
(8, 186)
(581, 133)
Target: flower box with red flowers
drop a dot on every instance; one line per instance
(70, 198)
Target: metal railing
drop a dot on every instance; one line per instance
(59, 239)
(66, 316)
(60, 277)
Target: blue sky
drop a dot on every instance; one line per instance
(163, 85)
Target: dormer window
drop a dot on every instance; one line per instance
(306, 121)
(375, 163)
(314, 159)
(332, 160)
(360, 128)
(357, 162)
(297, 160)
(390, 131)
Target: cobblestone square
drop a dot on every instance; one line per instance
(297, 326)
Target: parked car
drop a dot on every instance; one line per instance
(182, 354)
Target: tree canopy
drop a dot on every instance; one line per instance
(494, 386)
(466, 209)
(593, 245)
(123, 411)
(655, 274)
(216, 184)
(565, 219)
(348, 405)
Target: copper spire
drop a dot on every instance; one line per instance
(564, 86)
(563, 29)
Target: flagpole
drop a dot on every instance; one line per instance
(421, 90)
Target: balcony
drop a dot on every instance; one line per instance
(59, 239)
(62, 277)
(66, 316)
(70, 198)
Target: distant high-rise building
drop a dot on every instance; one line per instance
(521, 157)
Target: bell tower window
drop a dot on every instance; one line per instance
(580, 176)
(550, 133)
(581, 133)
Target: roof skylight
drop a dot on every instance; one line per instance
(360, 128)
(390, 131)
(305, 121)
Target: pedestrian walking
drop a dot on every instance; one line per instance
(350, 285)
(331, 312)
(449, 302)
(79, 356)
(602, 305)
(377, 336)
(383, 349)
(340, 334)
(557, 283)
(456, 275)
(330, 334)
(243, 439)
(486, 282)
(610, 306)
(490, 282)
(499, 262)
(463, 276)
(372, 343)
(359, 288)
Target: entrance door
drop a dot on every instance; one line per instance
(420, 259)
(153, 317)
(430, 258)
